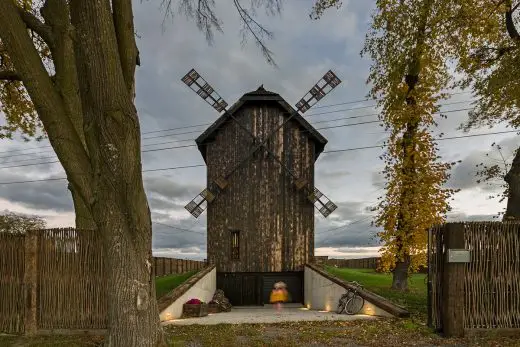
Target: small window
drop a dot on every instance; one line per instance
(235, 244)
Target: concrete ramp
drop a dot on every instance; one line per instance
(202, 286)
(323, 290)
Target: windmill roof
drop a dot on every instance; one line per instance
(260, 94)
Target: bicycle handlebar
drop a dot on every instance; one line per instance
(357, 284)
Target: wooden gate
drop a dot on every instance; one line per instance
(481, 294)
(12, 270)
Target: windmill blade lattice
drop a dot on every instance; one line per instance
(198, 84)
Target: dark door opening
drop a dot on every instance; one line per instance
(293, 280)
(254, 288)
(240, 288)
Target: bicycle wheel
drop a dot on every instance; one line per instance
(341, 307)
(354, 305)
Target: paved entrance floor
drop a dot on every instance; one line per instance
(266, 314)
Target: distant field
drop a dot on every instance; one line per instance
(165, 284)
(415, 300)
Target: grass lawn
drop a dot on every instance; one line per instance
(165, 284)
(415, 300)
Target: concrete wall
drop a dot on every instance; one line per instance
(203, 290)
(322, 294)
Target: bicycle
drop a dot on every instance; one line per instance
(351, 302)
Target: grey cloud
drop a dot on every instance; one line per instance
(334, 174)
(170, 189)
(51, 195)
(463, 175)
(378, 179)
(162, 204)
(359, 250)
(165, 237)
(357, 230)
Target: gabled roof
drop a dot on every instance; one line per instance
(260, 95)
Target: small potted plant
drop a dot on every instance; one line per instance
(194, 308)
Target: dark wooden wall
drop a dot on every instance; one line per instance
(276, 222)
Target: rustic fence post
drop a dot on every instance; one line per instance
(31, 281)
(163, 266)
(453, 284)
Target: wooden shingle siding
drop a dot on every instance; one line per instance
(276, 221)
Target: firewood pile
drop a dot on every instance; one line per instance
(222, 302)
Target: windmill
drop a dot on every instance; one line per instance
(215, 188)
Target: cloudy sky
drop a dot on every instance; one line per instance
(304, 50)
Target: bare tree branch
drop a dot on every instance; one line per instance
(9, 75)
(47, 101)
(203, 11)
(257, 30)
(128, 54)
(33, 23)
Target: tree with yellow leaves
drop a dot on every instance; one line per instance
(484, 39)
(408, 75)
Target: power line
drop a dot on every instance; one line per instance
(206, 124)
(64, 178)
(436, 139)
(345, 226)
(185, 146)
(180, 229)
(363, 100)
(329, 151)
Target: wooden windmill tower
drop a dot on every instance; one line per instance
(260, 192)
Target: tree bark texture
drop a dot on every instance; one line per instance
(513, 200)
(88, 113)
(400, 274)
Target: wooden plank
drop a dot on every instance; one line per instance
(453, 284)
(31, 282)
(261, 199)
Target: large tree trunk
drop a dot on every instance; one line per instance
(84, 219)
(513, 180)
(400, 274)
(101, 154)
(119, 207)
(133, 313)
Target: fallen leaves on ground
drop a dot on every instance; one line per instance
(381, 332)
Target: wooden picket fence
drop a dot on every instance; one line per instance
(12, 255)
(54, 279)
(484, 293)
(357, 263)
